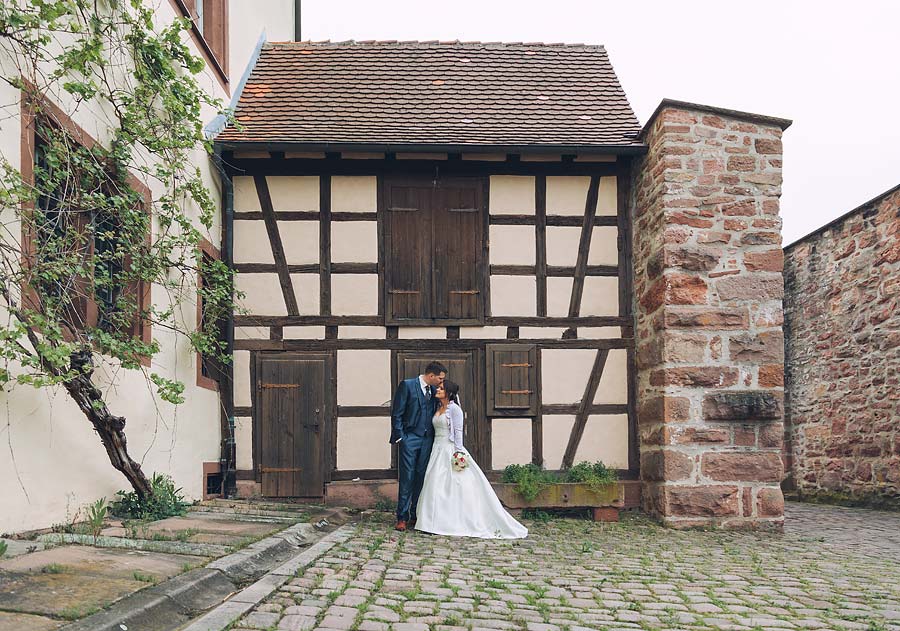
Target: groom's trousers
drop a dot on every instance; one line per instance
(412, 461)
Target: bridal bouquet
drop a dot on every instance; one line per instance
(459, 460)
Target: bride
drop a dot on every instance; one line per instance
(453, 502)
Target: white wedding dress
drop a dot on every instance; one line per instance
(460, 503)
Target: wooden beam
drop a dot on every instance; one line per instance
(307, 268)
(552, 220)
(584, 246)
(364, 474)
(284, 277)
(587, 400)
(305, 215)
(558, 271)
(358, 411)
(540, 242)
(626, 284)
(532, 321)
(594, 408)
(413, 345)
(325, 245)
(537, 423)
(457, 168)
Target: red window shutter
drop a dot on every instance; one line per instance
(215, 29)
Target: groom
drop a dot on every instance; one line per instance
(411, 413)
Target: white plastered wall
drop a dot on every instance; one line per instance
(52, 462)
(510, 441)
(362, 443)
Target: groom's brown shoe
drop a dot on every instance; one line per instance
(401, 526)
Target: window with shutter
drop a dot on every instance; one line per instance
(433, 252)
(512, 379)
(210, 30)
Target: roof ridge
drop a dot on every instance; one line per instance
(433, 42)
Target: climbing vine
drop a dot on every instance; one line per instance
(91, 220)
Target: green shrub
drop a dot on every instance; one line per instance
(164, 501)
(596, 475)
(530, 479)
(3, 548)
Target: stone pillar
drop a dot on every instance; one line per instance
(708, 302)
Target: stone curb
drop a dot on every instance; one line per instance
(228, 612)
(176, 601)
(147, 545)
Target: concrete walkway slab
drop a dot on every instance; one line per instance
(25, 622)
(73, 581)
(219, 524)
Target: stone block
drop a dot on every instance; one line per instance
(743, 405)
(707, 318)
(695, 377)
(767, 261)
(666, 465)
(770, 502)
(744, 466)
(701, 501)
(693, 258)
(765, 348)
(751, 287)
(768, 146)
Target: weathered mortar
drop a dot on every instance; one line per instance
(842, 344)
(708, 289)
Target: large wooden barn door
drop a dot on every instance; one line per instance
(294, 422)
(461, 368)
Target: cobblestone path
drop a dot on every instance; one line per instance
(833, 568)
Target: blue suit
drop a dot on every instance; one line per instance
(411, 415)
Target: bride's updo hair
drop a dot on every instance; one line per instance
(452, 391)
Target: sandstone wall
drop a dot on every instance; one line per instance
(708, 289)
(842, 308)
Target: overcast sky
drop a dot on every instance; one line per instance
(832, 67)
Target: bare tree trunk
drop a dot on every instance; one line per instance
(111, 430)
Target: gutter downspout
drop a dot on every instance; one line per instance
(226, 387)
(297, 21)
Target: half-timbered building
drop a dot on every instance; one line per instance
(395, 203)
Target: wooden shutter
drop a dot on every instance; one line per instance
(457, 222)
(215, 29)
(408, 254)
(512, 379)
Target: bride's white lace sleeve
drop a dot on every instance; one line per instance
(456, 425)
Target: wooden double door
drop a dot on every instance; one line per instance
(464, 369)
(295, 408)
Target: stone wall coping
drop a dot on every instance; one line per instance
(761, 119)
(847, 215)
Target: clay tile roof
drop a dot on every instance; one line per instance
(387, 93)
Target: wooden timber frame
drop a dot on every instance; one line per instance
(278, 163)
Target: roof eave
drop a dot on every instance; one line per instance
(335, 147)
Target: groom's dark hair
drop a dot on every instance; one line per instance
(435, 368)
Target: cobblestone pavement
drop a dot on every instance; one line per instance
(833, 568)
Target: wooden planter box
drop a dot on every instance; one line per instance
(605, 504)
